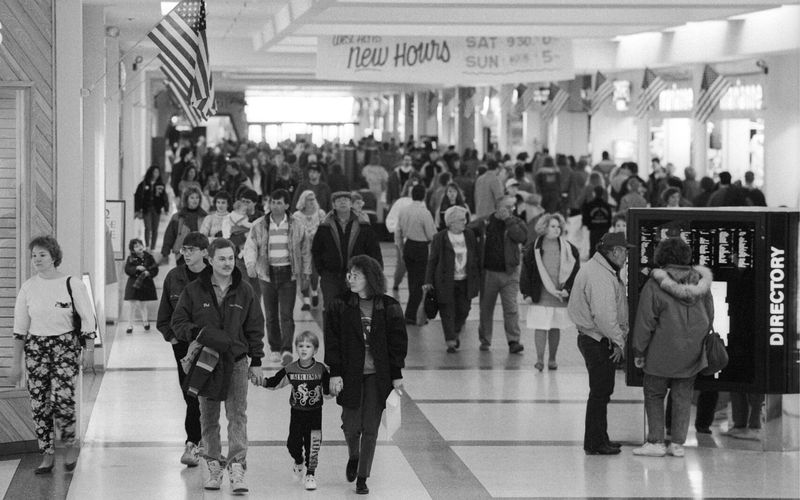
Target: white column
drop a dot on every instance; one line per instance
(699, 138)
(71, 223)
(532, 130)
(94, 151)
(134, 137)
(478, 121)
(113, 180)
(420, 114)
(782, 130)
(503, 116)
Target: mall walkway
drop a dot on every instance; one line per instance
(475, 425)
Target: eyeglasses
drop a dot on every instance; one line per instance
(355, 276)
(189, 249)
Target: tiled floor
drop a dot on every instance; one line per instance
(475, 425)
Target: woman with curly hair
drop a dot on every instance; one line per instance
(549, 266)
(365, 349)
(44, 330)
(149, 201)
(308, 217)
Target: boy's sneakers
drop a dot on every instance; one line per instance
(214, 481)
(676, 450)
(274, 357)
(310, 482)
(190, 455)
(651, 450)
(236, 474)
(297, 470)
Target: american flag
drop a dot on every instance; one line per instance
(603, 90)
(181, 40)
(193, 115)
(506, 97)
(712, 89)
(652, 85)
(556, 101)
(519, 104)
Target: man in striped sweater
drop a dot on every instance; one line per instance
(275, 254)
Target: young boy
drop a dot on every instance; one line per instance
(309, 379)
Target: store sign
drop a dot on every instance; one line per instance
(471, 60)
(741, 97)
(676, 99)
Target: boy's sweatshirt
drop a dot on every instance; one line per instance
(308, 384)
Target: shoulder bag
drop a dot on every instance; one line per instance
(717, 356)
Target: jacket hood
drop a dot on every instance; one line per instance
(686, 283)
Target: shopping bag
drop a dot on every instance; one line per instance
(392, 415)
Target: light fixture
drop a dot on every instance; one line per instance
(112, 31)
(166, 7)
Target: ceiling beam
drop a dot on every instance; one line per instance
(287, 20)
(460, 30)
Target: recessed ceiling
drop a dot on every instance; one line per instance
(258, 43)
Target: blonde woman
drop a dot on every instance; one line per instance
(549, 266)
(308, 217)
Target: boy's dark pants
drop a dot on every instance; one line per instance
(305, 433)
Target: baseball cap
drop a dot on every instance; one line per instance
(611, 240)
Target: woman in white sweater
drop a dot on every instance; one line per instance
(44, 329)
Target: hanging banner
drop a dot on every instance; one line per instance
(471, 60)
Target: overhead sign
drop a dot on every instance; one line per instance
(471, 60)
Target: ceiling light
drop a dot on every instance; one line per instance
(166, 7)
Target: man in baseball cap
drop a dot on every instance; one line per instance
(598, 306)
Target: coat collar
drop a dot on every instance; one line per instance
(352, 300)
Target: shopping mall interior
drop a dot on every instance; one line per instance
(90, 99)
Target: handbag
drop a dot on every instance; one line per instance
(76, 318)
(716, 355)
(431, 304)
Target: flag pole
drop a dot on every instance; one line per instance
(86, 92)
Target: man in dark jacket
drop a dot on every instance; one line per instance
(339, 237)
(220, 311)
(500, 236)
(194, 252)
(596, 216)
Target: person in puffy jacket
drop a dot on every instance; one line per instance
(675, 313)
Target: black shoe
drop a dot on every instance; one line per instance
(352, 470)
(361, 486)
(603, 450)
(129, 331)
(451, 349)
(306, 307)
(458, 343)
(614, 444)
(515, 347)
(395, 288)
(703, 430)
(315, 300)
(147, 327)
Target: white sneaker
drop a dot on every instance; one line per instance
(651, 450)
(750, 435)
(275, 357)
(298, 470)
(236, 474)
(735, 432)
(676, 450)
(190, 455)
(214, 481)
(310, 482)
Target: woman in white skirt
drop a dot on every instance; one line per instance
(549, 266)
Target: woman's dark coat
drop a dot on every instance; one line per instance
(148, 289)
(344, 345)
(530, 281)
(442, 266)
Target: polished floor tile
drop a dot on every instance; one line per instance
(154, 473)
(559, 471)
(7, 470)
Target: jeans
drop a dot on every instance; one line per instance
(454, 314)
(507, 285)
(655, 390)
(235, 412)
(360, 425)
(746, 409)
(601, 386)
(305, 434)
(151, 218)
(191, 422)
(279, 295)
(415, 256)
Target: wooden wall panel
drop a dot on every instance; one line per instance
(27, 137)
